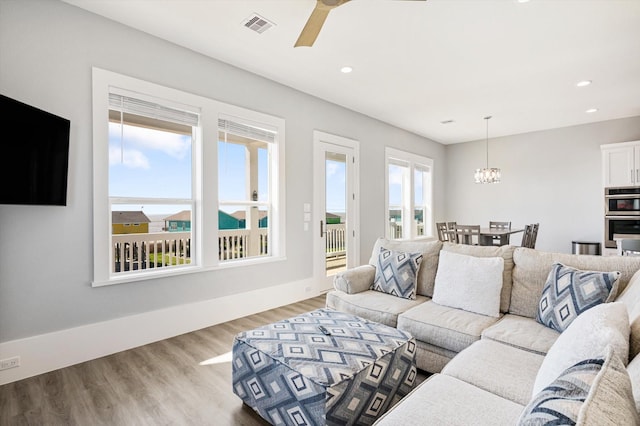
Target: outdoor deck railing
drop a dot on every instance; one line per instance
(133, 252)
(395, 230)
(335, 240)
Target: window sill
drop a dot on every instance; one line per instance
(186, 270)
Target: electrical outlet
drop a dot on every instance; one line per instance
(8, 363)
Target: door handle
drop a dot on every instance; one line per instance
(321, 229)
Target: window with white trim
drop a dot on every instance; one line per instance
(243, 191)
(182, 183)
(409, 210)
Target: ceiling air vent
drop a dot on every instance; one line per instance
(257, 23)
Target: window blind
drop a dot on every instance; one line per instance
(131, 105)
(247, 130)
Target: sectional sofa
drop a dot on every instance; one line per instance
(511, 335)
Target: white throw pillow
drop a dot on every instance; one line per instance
(469, 283)
(586, 337)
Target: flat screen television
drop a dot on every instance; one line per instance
(35, 152)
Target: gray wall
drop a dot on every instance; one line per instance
(47, 49)
(553, 177)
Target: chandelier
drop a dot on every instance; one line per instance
(488, 174)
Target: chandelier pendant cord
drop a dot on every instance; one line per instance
(487, 139)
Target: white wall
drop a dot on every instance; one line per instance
(47, 49)
(552, 177)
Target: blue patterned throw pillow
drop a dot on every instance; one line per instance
(561, 401)
(593, 391)
(568, 292)
(396, 273)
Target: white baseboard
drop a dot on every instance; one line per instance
(51, 351)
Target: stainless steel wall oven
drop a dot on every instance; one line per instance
(622, 214)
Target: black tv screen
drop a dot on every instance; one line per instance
(36, 155)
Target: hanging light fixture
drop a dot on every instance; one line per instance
(487, 175)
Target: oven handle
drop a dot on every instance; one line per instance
(623, 217)
(618, 196)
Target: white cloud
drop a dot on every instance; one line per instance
(395, 175)
(332, 168)
(131, 158)
(143, 139)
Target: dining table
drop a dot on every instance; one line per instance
(487, 235)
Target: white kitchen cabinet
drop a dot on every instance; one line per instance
(621, 164)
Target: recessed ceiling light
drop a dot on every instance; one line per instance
(522, 1)
(591, 110)
(346, 70)
(583, 83)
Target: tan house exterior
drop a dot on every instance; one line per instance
(129, 222)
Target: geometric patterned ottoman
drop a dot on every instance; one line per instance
(291, 373)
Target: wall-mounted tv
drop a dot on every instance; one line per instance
(35, 153)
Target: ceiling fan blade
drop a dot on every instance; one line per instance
(316, 21)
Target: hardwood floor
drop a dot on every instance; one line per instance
(184, 380)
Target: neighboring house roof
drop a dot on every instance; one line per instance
(395, 213)
(120, 217)
(332, 216)
(184, 215)
(242, 214)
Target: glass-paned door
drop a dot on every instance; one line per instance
(335, 205)
(335, 224)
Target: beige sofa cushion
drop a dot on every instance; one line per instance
(497, 368)
(506, 252)
(631, 298)
(522, 333)
(448, 328)
(429, 249)
(634, 374)
(531, 268)
(372, 305)
(432, 358)
(445, 401)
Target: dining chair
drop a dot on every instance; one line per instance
(499, 225)
(451, 232)
(443, 231)
(530, 235)
(630, 247)
(534, 235)
(466, 233)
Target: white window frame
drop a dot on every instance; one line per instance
(205, 180)
(412, 162)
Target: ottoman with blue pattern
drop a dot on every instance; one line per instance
(293, 373)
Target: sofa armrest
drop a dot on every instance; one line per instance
(355, 280)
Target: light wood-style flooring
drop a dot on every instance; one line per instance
(184, 380)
